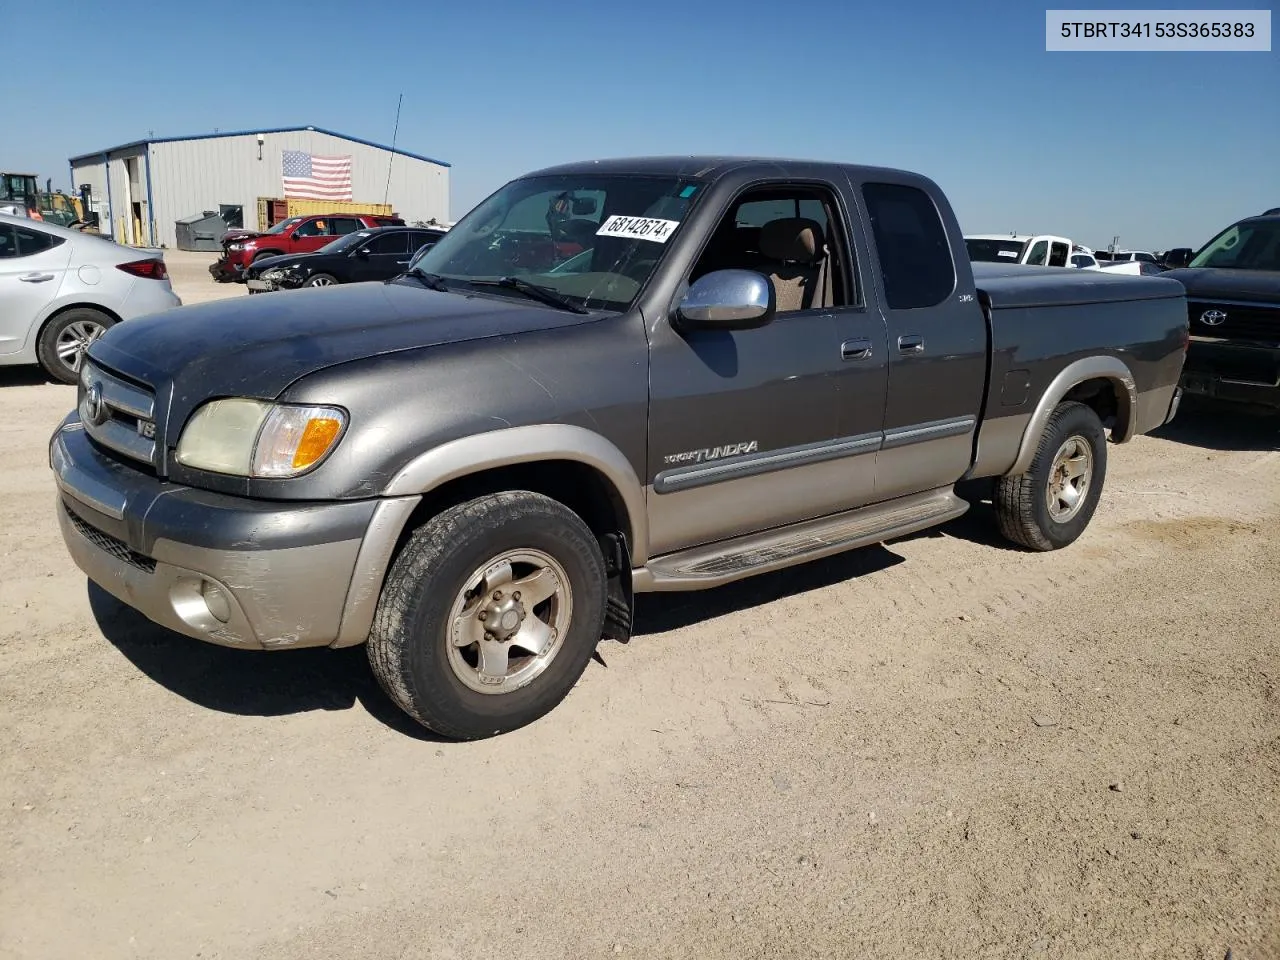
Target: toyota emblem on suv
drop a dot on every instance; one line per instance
(1213, 318)
(94, 410)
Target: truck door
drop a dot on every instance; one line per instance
(752, 429)
(1037, 254)
(937, 342)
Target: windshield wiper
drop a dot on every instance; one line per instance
(431, 281)
(533, 291)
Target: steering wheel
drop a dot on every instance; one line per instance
(640, 269)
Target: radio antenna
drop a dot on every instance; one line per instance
(391, 159)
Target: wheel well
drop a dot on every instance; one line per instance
(115, 318)
(579, 487)
(1107, 398)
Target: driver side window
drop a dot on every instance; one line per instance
(1037, 254)
(312, 228)
(792, 235)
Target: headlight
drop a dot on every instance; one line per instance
(233, 247)
(253, 438)
(273, 274)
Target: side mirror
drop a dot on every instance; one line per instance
(728, 300)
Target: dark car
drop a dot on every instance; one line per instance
(377, 254)
(1233, 299)
(295, 235)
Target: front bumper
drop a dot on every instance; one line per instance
(229, 570)
(1234, 372)
(226, 271)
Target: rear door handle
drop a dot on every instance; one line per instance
(911, 344)
(35, 277)
(401, 262)
(855, 350)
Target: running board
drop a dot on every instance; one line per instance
(700, 568)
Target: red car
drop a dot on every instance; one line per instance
(294, 235)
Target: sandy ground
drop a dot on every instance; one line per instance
(940, 747)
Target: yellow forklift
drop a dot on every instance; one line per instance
(21, 194)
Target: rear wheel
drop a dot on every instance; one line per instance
(489, 615)
(1049, 506)
(320, 280)
(66, 337)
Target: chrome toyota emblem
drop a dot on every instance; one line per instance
(93, 409)
(1213, 318)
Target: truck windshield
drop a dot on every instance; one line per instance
(284, 225)
(593, 240)
(1243, 246)
(995, 251)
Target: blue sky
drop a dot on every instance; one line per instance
(1162, 149)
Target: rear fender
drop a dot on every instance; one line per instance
(1089, 368)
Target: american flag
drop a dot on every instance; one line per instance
(316, 178)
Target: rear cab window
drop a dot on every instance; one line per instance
(916, 266)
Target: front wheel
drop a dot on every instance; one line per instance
(489, 615)
(1049, 506)
(320, 280)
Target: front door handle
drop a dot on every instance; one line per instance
(401, 263)
(911, 344)
(855, 350)
(35, 277)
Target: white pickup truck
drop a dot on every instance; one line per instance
(1043, 250)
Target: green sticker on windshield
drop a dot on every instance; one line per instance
(688, 191)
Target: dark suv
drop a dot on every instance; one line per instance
(1233, 295)
(294, 235)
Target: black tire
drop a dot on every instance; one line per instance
(409, 644)
(320, 280)
(1022, 501)
(60, 327)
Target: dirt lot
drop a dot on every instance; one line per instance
(940, 747)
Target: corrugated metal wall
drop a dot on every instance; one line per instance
(191, 176)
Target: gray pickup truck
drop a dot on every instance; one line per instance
(609, 378)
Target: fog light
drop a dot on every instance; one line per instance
(215, 600)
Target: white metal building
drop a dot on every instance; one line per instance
(143, 188)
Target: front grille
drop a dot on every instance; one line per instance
(117, 413)
(104, 541)
(1253, 322)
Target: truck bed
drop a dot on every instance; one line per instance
(1006, 286)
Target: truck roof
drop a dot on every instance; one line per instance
(712, 167)
(1014, 236)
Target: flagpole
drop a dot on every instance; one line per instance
(391, 159)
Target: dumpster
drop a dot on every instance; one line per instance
(201, 231)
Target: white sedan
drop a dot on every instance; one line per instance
(61, 289)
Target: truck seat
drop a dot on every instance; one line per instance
(794, 258)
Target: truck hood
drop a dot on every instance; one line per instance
(1213, 283)
(257, 346)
